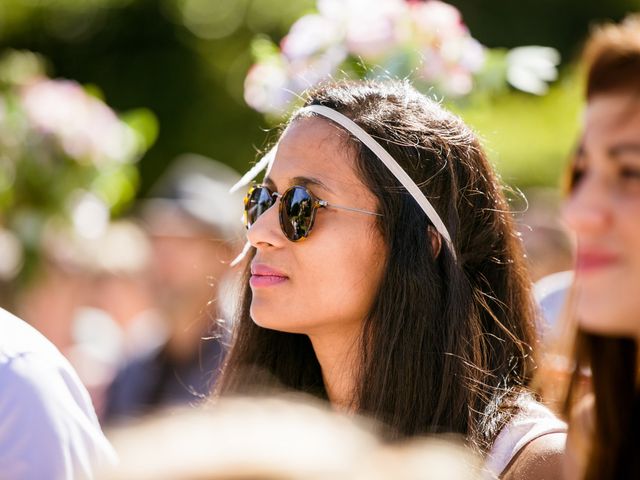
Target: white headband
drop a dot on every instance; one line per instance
(379, 152)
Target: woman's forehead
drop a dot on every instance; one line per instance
(610, 121)
(607, 114)
(313, 133)
(316, 148)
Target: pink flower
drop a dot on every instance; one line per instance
(473, 56)
(371, 27)
(311, 35)
(391, 35)
(450, 54)
(434, 19)
(85, 127)
(266, 86)
(374, 28)
(457, 82)
(305, 73)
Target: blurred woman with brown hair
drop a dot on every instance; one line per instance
(603, 209)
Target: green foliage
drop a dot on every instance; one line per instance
(117, 186)
(263, 48)
(145, 124)
(145, 53)
(59, 143)
(529, 139)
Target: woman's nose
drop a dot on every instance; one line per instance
(588, 209)
(265, 231)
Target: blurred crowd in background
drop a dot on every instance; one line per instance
(123, 124)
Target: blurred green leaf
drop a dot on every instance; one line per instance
(117, 186)
(145, 125)
(263, 48)
(19, 66)
(94, 90)
(493, 76)
(529, 138)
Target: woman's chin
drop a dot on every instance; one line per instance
(265, 321)
(606, 325)
(271, 322)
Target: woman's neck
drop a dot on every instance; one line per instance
(338, 355)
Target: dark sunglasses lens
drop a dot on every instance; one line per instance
(258, 201)
(296, 214)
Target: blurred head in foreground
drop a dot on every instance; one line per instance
(276, 439)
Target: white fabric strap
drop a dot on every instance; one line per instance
(255, 170)
(389, 162)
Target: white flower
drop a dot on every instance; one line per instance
(307, 73)
(266, 86)
(434, 20)
(387, 34)
(457, 82)
(472, 56)
(311, 35)
(433, 64)
(11, 255)
(271, 85)
(530, 68)
(89, 214)
(374, 28)
(451, 65)
(450, 54)
(333, 9)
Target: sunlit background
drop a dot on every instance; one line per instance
(186, 61)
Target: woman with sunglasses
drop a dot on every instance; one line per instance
(386, 277)
(603, 209)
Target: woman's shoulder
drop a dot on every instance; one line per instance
(534, 434)
(542, 458)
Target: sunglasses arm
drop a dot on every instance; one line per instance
(325, 204)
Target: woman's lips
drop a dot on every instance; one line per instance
(589, 261)
(265, 276)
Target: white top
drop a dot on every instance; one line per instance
(533, 421)
(48, 427)
(551, 294)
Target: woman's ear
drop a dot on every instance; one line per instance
(435, 239)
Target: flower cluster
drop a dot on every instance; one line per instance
(426, 41)
(65, 156)
(86, 129)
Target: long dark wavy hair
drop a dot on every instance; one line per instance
(447, 345)
(612, 62)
